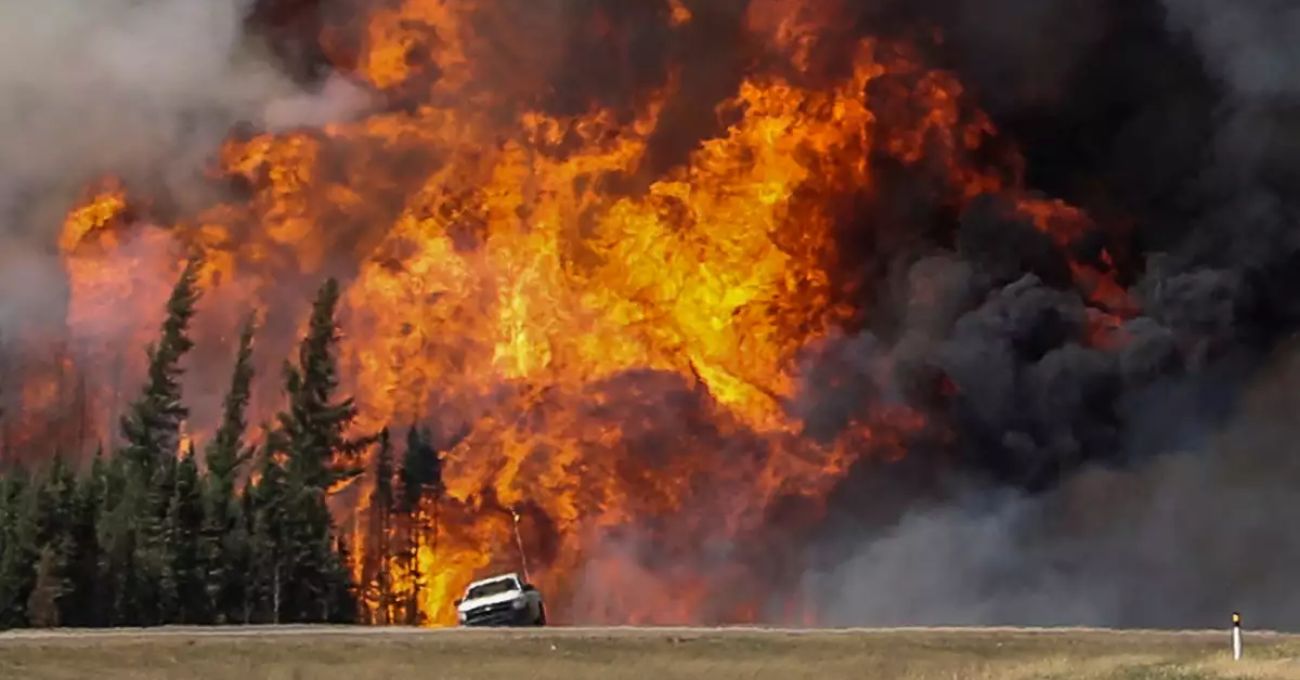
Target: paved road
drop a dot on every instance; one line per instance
(19, 636)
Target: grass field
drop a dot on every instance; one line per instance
(670, 654)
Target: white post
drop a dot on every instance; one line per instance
(1236, 636)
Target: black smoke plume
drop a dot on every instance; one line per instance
(1141, 482)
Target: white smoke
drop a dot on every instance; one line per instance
(140, 88)
(1251, 44)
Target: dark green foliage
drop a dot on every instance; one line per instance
(312, 432)
(268, 543)
(340, 593)
(308, 454)
(228, 451)
(19, 547)
(421, 474)
(225, 552)
(82, 559)
(418, 503)
(49, 586)
(148, 534)
(65, 530)
(151, 428)
(136, 537)
(185, 598)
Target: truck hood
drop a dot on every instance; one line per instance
(490, 599)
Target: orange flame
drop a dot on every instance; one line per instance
(622, 348)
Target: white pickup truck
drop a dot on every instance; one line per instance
(505, 600)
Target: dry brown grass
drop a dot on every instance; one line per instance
(560, 654)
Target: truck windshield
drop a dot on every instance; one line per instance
(491, 588)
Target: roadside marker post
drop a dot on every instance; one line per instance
(1236, 636)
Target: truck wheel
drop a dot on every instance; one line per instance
(541, 614)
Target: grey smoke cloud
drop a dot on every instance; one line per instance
(146, 89)
(1179, 541)
(1194, 515)
(1198, 520)
(1251, 44)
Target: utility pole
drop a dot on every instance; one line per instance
(519, 541)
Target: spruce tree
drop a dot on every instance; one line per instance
(419, 501)
(58, 520)
(316, 571)
(312, 439)
(421, 473)
(184, 597)
(268, 512)
(378, 553)
(79, 606)
(115, 541)
(225, 551)
(151, 427)
(132, 533)
(340, 603)
(49, 586)
(18, 546)
(249, 590)
(151, 595)
(313, 430)
(227, 451)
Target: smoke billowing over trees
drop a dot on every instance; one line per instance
(1095, 424)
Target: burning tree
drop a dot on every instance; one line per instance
(225, 547)
(675, 273)
(307, 455)
(604, 324)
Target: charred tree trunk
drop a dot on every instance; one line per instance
(413, 566)
(275, 595)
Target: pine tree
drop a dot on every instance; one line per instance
(225, 551)
(184, 597)
(146, 538)
(312, 440)
(341, 594)
(267, 512)
(313, 431)
(316, 571)
(18, 547)
(55, 499)
(419, 501)
(58, 519)
(152, 593)
(79, 605)
(132, 533)
(151, 427)
(421, 473)
(50, 584)
(114, 541)
(248, 591)
(379, 551)
(227, 452)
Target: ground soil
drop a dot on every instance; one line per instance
(654, 654)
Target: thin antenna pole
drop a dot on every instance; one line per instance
(519, 540)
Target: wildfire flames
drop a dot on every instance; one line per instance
(620, 346)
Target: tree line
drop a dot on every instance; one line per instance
(148, 534)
